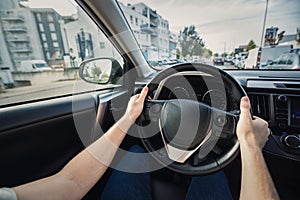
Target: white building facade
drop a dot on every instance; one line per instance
(150, 29)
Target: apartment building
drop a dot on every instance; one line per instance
(18, 35)
(48, 24)
(150, 29)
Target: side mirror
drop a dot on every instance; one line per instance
(100, 70)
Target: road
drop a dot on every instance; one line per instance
(34, 92)
(52, 89)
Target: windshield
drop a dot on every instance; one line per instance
(245, 34)
(41, 65)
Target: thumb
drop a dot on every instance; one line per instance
(245, 108)
(143, 94)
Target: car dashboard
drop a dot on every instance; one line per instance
(274, 98)
(199, 87)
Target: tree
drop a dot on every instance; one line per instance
(224, 55)
(190, 42)
(216, 55)
(207, 53)
(251, 45)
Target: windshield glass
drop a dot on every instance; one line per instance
(244, 34)
(40, 65)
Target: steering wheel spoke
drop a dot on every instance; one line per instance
(224, 123)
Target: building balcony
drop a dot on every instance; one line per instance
(17, 38)
(153, 14)
(15, 28)
(146, 28)
(153, 24)
(20, 49)
(20, 58)
(154, 34)
(12, 17)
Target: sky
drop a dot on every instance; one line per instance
(223, 24)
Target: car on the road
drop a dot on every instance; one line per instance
(218, 61)
(110, 50)
(286, 61)
(230, 60)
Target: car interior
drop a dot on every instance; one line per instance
(38, 137)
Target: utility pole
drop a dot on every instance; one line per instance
(264, 24)
(224, 49)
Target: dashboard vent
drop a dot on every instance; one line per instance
(260, 105)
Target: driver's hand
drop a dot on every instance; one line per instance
(251, 133)
(135, 105)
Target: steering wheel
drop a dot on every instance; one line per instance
(187, 135)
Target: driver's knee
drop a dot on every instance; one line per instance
(213, 186)
(137, 149)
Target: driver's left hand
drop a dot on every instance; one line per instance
(135, 105)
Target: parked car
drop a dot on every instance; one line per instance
(218, 61)
(271, 52)
(43, 126)
(253, 59)
(230, 60)
(286, 61)
(34, 66)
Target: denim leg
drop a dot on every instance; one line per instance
(209, 187)
(124, 185)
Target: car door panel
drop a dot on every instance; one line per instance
(38, 139)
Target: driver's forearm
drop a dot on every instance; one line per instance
(256, 180)
(82, 172)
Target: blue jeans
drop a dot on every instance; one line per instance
(123, 185)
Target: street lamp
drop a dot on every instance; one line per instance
(264, 24)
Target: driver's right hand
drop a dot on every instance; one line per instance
(251, 133)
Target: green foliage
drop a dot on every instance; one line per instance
(177, 53)
(216, 55)
(210, 53)
(96, 71)
(224, 55)
(190, 42)
(251, 45)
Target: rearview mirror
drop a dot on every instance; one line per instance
(100, 70)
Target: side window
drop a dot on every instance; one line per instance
(42, 58)
(290, 60)
(283, 60)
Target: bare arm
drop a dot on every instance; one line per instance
(84, 170)
(253, 134)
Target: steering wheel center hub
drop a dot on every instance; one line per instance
(185, 123)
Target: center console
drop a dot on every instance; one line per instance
(280, 106)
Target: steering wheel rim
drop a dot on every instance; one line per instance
(186, 167)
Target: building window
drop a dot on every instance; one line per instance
(41, 27)
(44, 37)
(47, 55)
(55, 44)
(38, 17)
(102, 45)
(84, 45)
(52, 27)
(54, 36)
(50, 17)
(136, 21)
(131, 19)
(45, 45)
